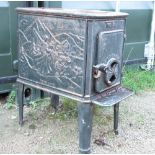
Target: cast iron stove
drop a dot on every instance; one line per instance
(76, 54)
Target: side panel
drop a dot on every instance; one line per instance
(51, 52)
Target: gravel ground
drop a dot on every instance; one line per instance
(41, 134)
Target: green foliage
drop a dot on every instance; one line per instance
(67, 111)
(11, 100)
(39, 103)
(139, 80)
(69, 105)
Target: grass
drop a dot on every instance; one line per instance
(67, 111)
(138, 80)
(11, 100)
(39, 102)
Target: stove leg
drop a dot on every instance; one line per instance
(55, 101)
(42, 94)
(85, 115)
(20, 101)
(116, 114)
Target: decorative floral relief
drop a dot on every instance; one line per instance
(52, 50)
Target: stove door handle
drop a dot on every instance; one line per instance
(110, 71)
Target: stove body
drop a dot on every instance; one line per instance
(76, 54)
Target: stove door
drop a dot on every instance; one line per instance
(107, 71)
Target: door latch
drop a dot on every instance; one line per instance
(110, 71)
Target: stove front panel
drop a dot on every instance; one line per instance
(52, 51)
(109, 59)
(104, 56)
